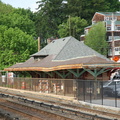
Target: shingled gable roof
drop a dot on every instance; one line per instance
(109, 13)
(52, 48)
(67, 48)
(76, 49)
(64, 53)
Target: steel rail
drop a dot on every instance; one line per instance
(30, 111)
(55, 108)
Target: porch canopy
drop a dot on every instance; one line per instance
(65, 54)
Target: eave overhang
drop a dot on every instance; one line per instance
(63, 67)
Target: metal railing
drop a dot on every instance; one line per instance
(97, 92)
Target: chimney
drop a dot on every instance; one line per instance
(38, 43)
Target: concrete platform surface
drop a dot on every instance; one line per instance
(61, 99)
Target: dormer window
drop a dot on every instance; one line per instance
(39, 58)
(36, 59)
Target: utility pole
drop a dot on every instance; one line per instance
(39, 43)
(112, 30)
(69, 27)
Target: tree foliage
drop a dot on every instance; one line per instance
(5, 9)
(87, 8)
(52, 13)
(25, 12)
(17, 32)
(96, 38)
(16, 20)
(114, 5)
(15, 46)
(73, 27)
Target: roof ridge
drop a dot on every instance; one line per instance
(63, 46)
(46, 50)
(105, 13)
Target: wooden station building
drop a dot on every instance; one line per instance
(66, 58)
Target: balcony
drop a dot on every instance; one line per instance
(115, 38)
(108, 28)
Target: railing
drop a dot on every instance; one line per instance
(115, 38)
(97, 93)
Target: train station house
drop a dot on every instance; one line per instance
(63, 60)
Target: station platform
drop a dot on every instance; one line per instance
(60, 99)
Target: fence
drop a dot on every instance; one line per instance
(44, 85)
(84, 90)
(97, 92)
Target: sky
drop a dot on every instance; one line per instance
(22, 4)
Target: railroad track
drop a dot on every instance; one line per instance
(39, 110)
(30, 111)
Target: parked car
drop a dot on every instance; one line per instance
(111, 82)
(112, 88)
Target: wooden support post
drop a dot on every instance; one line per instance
(39, 43)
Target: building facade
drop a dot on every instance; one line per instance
(112, 24)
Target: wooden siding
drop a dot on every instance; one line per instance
(98, 17)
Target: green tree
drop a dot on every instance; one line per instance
(73, 27)
(25, 13)
(87, 8)
(50, 14)
(17, 32)
(5, 8)
(15, 46)
(114, 5)
(21, 18)
(96, 38)
(15, 20)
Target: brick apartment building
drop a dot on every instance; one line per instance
(112, 24)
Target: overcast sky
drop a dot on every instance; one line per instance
(22, 3)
